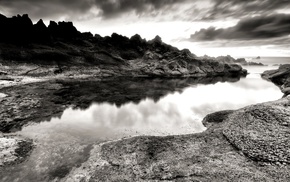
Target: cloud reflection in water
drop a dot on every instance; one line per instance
(177, 113)
(63, 141)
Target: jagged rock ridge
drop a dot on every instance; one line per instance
(61, 46)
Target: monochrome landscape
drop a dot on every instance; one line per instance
(144, 90)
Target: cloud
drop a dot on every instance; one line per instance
(113, 8)
(280, 42)
(185, 10)
(256, 28)
(45, 8)
(245, 8)
(74, 8)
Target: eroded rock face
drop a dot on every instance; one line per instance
(249, 144)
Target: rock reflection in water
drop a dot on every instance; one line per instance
(152, 107)
(176, 113)
(37, 102)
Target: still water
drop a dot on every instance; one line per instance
(63, 143)
(179, 112)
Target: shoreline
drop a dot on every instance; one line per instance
(221, 136)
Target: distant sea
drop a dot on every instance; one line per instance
(270, 61)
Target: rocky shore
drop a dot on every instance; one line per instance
(280, 77)
(249, 144)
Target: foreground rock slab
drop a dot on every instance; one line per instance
(249, 144)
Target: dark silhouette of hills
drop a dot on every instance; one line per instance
(62, 47)
(20, 29)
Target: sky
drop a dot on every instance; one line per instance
(241, 28)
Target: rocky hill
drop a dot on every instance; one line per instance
(61, 48)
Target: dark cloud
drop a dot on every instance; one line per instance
(194, 10)
(117, 7)
(74, 8)
(261, 27)
(244, 8)
(45, 8)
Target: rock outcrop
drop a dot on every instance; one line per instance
(280, 77)
(61, 45)
(241, 61)
(255, 64)
(249, 144)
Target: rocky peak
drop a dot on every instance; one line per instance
(62, 29)
(157, 39)
(67, 27)
(52, 25)
(118, 39)
(23, 20)
(136, 38)
(40, 32)
(40, 24)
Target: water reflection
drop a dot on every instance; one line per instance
(177, 113)
(63, 143)
(121, 91)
